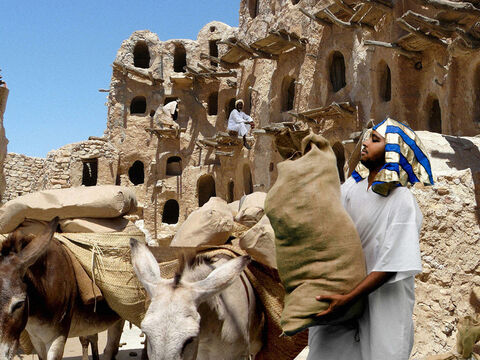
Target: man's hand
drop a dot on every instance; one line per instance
(338, 305)
(252, 124)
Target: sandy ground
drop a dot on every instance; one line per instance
(131, 346)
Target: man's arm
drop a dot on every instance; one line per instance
(339, 303)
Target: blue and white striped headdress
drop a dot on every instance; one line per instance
(406, 160)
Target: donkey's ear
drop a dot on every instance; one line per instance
(145, 266)
(37, 247)
(220, 278)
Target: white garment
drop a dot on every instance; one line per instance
(389, 230)
(164, 115)
(238, 121)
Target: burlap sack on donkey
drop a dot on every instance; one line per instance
(317, 246)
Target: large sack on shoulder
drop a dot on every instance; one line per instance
(251, 208)
(105, 201)
(318, 248)
(212, 224)
(259, 243)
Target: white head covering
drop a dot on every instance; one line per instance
(170, 108)
(238, 102)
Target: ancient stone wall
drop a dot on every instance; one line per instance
(3, 139)
(23, 175)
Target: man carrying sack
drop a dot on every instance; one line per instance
(388, 221)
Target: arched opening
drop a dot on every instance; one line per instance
(229, 106)
(337, 71)
(174, 166)
(295, 2)
(435, 117)
(230, 191)
(385, 86)
(247, 107)
(138, 105)
(141, 55)
(206, 189)
(253, 8)
(90, 172)
(179, 58)
(213, 103)
(247, 180)
(213, 50)
(171, 212)
(288, 93)
(136, 173)
(339, 151)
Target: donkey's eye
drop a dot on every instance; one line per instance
(186, 343)
(17, 306)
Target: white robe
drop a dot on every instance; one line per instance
(237, 121)
(389, 230)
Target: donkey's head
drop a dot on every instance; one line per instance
(172, 322)
(17, 254)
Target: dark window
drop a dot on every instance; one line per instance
(288, 90)
(231, 191)
(141, 55)
(136, 173)
(435, 117)
(339, 151)
(170, 212)
(213, 47)
(337, 71)
(253, 8)
(294, 2)
(229, 106)
(90, 172)
(247, 180)
(179, 58)
(213, 103)
(138, 105)
(206, 189)
(174, 166)
(386, 84)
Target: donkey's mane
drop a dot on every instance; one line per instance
(14, 243)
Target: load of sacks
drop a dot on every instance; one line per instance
(216, 221)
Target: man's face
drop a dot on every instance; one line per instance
(373, 151)
(239, 106)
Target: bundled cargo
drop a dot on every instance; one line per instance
(317, 246)
(259, 243)
(252, 208)
(104, 201)
(212, 224)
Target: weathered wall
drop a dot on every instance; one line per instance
(23, 175)
(3, 140)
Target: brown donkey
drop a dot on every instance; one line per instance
(38, 292)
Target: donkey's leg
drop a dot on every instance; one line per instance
(93, 340)
(113, 339)
(84, 341)
(56, 347)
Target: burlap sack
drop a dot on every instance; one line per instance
(259, 243)
(211, 224)
(105, 201)
(318, 248)
(251, 208)
(234, 207)
(87, 225)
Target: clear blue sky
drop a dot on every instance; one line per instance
(56, 54)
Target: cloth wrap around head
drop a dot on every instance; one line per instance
(406, 160)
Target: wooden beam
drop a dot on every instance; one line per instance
(204, 68)
(461, 7)
(344, 7)
(406, 26)
(314, 18)
(406, 53)
(379, 5)
(211, 58)
(295, 41)
(336, 20)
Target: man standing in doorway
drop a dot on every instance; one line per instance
(388, 221)
(240, 122)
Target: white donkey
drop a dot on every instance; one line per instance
(208, 311)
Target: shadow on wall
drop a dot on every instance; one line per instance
(466, 156)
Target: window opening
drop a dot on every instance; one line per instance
(174, 166)
(206, 189)
(136, 173)
(253, 8)
(90, 172)
(247, 180)
(386, 84)
(171, 212)
(141, 55)
(213, 103)
(337, 71)
(213, 47)
(339, 151)
(179, 58)
(288, 94)
(231, 191)
(138, 105)
(435, 119)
